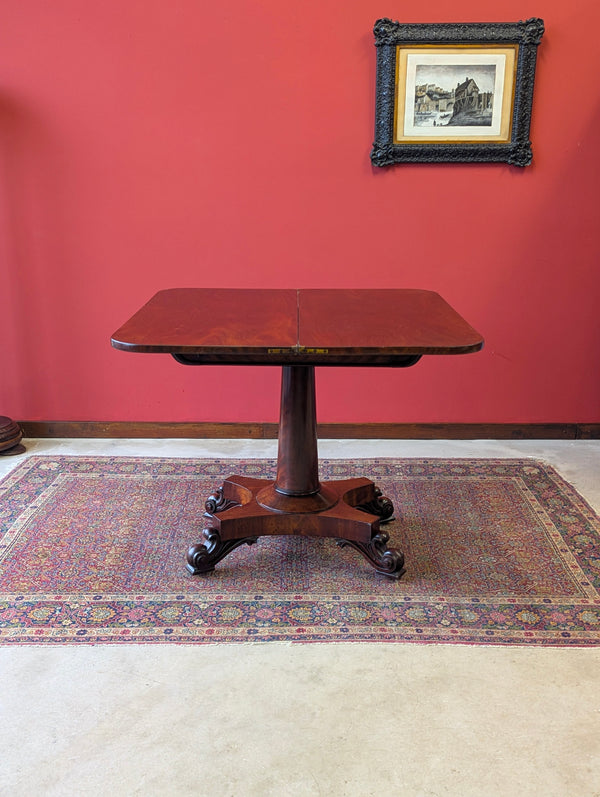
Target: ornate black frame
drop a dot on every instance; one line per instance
(389, 34)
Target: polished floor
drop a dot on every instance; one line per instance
(285, 720)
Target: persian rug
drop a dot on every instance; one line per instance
(92, 550)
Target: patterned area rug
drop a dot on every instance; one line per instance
(497, 552)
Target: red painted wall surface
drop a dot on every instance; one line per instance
(148, 144)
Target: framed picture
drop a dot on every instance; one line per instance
(454, 92)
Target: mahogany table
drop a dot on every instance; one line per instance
(297, 330)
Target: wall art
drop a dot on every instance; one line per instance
(454, 92)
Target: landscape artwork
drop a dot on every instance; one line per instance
(454, 95)
(449, 95)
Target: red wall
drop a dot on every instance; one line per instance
(147, 144)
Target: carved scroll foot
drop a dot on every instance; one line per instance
(203, 557)
(387, 561)
(380, 505)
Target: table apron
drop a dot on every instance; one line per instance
(348, 361)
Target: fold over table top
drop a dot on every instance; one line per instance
(312, 326)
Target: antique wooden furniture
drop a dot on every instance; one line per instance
(10, 437)
(297, 330)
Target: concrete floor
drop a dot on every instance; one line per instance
(278, 719)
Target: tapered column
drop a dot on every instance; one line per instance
(297, 460)
(297, 488)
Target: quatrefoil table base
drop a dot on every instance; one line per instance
(239, 513)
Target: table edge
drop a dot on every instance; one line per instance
(294, 355)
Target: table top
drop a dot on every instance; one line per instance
(312, 326)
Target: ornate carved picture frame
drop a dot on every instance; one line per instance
(454, 92)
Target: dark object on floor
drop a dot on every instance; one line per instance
(10, 437)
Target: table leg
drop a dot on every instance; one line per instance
(244, 509)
